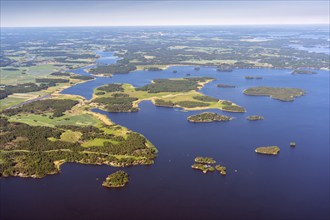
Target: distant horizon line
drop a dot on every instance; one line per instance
(180, 25)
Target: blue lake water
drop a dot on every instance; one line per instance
(292, 185)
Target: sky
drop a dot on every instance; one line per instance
(47, 13)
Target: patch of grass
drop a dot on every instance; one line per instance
(70, 136)
(44, 120)
(10, 101)
(97, 142)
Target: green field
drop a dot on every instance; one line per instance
(44, 120)
(33, 72)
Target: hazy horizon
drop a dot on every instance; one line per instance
(162, 13)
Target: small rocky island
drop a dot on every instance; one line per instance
(116, 180)
(204, 164)
(225, 86)
(224, 68)
(293, 144)
(206, 160)
(301, 71)
(208, 117)
(255, 117)
(203, 167)
(269, 150)
(222, 170)
(282, 94)
(253, 77)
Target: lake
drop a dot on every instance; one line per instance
(291, 185)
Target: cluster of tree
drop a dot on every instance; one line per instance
(60, 74)
(119, 95)
(205, 98)
(225, 102)
(88, 132)
(27, 150)
(49, 80)
(133, 145)
(81, 77)
(233, 108)
(152, 69)
(192, 104)
(10, 69)
(303, 71)
(118, 68)
(33, 138)
(118, 104)
(283, 94)
(56, 106)
(117, 179)
(208, 117)
(163, 103)
(22, 88)
(205, 160)
(112, 88)
(172, 85)
(99, 93)
(56, 53)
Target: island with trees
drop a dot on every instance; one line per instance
(203, 167)
(255, 118)
(121, 67)
(268, 150)
(116, 180)
(204, 164)
(303, 71)
(222, 169)
(205, 160)
(181, 93)
(224, 68)
(225, 86)
(282, 94)
(208, 117)
(253, 77)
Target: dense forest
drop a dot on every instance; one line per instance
(117, 104)
(22, 88)
(191, 104)
(206, 98)
(28, 150)
(112, 88)
(117, 179)
(118, 68)
(163, 103)
(208, 117)
(82, 77)
(56, 106)
(60, 74)
(50, 80)
(173, 85)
